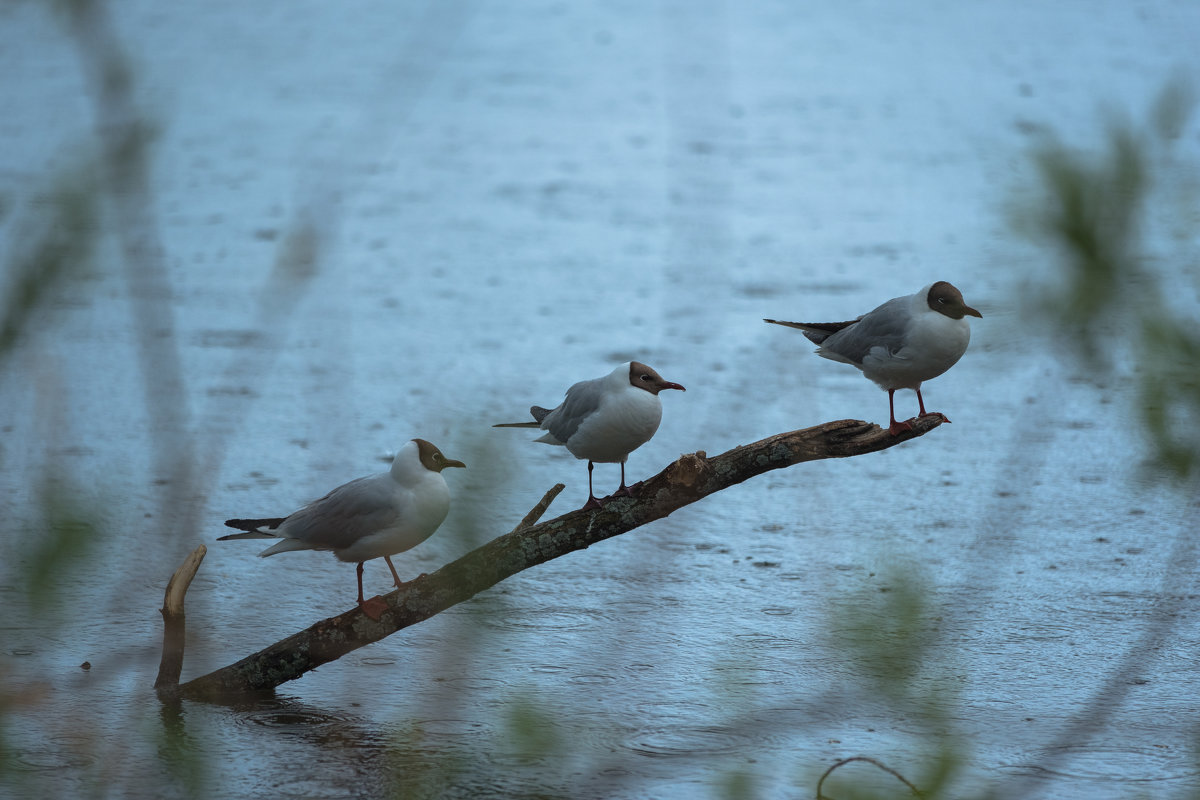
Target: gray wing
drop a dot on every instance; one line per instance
(886, 327)
(345, 515)
(582, 399)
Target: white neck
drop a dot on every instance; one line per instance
(407, 466)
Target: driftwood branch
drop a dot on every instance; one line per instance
(174, 621)
(683, 482)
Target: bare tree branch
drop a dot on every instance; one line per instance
(683, 482)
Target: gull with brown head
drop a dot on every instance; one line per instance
(373, 517)
(605, 419)
(902, 343)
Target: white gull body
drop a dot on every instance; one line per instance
(604, 419)
(902, 343)
(372, 517)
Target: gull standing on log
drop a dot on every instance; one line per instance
(904, 342)
(605, 419)
(372, 517)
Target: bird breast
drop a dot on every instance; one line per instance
(625, 421)
(934, 344)
(417, 510)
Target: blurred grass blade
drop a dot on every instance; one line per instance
(60, 248)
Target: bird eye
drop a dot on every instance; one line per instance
(645, 377)
(942, 300)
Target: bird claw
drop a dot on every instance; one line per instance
(897, 428)
(934, 414)
(626, 491)
(592, 503)
(411, 581)
(374, 607)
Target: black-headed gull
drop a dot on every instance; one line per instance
(372, 517)
(605, 419)
(904, 342)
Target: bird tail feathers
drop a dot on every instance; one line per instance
(247, 535)
(254, 524)
(816, 332)
(538, 413)
(252, 528)
(284, 545)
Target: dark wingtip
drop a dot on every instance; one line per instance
(254, 524)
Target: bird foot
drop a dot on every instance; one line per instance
(374, 607)
(405, 584)
(592, 503)
(897, 428)
(627, 491)
(934, 414)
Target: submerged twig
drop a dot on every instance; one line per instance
(916, 792)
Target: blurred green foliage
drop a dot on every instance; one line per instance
(1112, 294)
(886, 628)
(50, 250)
(55, 247)
(181, 756)
(65, 535)
(888, 632)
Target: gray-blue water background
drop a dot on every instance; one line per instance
(515, 196)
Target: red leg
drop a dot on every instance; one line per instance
(895, 428)
(592, 501)
(924, 413)
(623, 490)
(395, 577)
(374, 607)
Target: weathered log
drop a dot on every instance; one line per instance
(685, 481)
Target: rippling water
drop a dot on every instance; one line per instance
(515, 198)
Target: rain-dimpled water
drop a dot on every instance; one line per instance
(490, 202)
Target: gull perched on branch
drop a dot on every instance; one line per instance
(605, 419)
(372, 517)
(901, 344)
